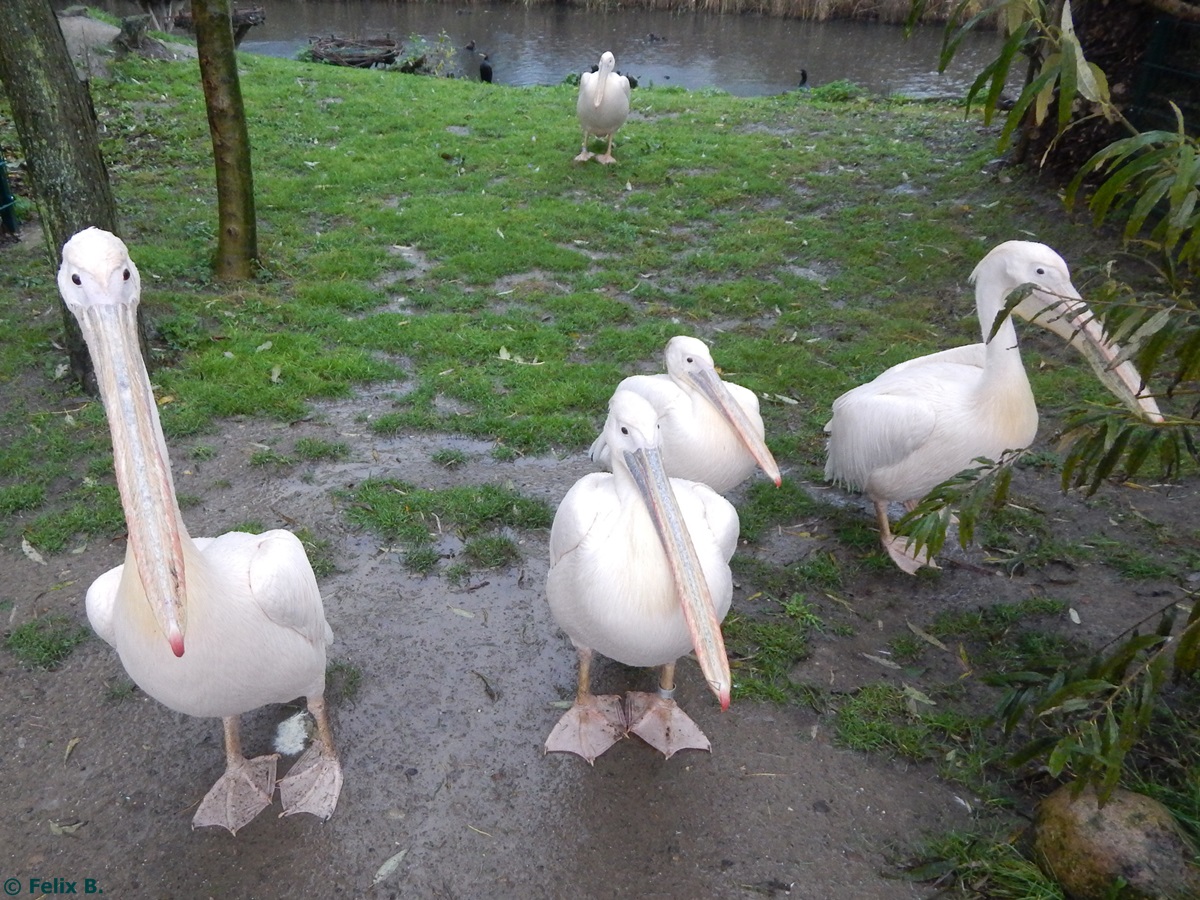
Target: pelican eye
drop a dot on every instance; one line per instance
(75, 279)
(624, 430)
(691, 359)
(126, 275)
(1041, 271)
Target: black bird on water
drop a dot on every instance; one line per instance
(485, 69)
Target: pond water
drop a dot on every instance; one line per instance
(745, 55)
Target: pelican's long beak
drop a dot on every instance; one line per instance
(646, 467)
(139, 453)
(711, 385)
(1073, 320)
(601, 82)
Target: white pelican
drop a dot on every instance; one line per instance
(711, 430)
(639, 571)
(602, 106)
(208, 627)
(927, 419)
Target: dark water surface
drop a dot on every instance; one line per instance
(745, 55)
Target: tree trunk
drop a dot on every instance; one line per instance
(53, 114)
(237, 230)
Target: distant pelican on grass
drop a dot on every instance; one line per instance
(602, 107)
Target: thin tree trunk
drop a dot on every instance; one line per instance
(237, 230)
(53, 114)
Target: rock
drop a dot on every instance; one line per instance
(1086, 847)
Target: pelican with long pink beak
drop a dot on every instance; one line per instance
(927, 419)
(206, 626)
(639, 572)
(711, 429)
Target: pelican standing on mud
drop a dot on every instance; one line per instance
(206, 626)
(603, 106)
(927, 419)
(639, 572)
(710, 430)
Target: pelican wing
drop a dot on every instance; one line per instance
(584, 503)
(872, 429)
(719, 518)
(281, 580)
(101, 602)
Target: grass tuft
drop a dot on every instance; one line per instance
(45, 643)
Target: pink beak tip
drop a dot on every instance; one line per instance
(176, 641)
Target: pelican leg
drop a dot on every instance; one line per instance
(659, 721)
(606, 157)
(900, 548)
(314, 783)
(593, 724)
(585, 154)
(243, 791)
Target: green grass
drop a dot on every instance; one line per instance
(342, 680)
(45, 643)
(491, 552)
(415, 517)
(901, 720)
(763, 652)
(543, 283)
(447, 458)
(315, 450)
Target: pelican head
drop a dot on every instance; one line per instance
(689, 363)
(608, 63)
(1055, 304)
(632, 432)
(101, 286)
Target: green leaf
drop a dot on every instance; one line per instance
(1061, 755)
(1068, 77)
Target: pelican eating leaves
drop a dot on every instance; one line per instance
(925, 420)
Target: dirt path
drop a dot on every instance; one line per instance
(442, 743)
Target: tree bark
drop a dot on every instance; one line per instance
(237, 231)
(53, 114)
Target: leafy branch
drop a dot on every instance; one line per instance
(967, 497)
(1143, 173)
(1085, 720)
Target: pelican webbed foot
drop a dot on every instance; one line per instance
(313, 784)
(589, 727)
(606, 158)
(584, 155)
(898, 547)
(239, 795)
(901, 551)
(659, 721)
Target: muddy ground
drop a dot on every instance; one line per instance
(447, 792)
